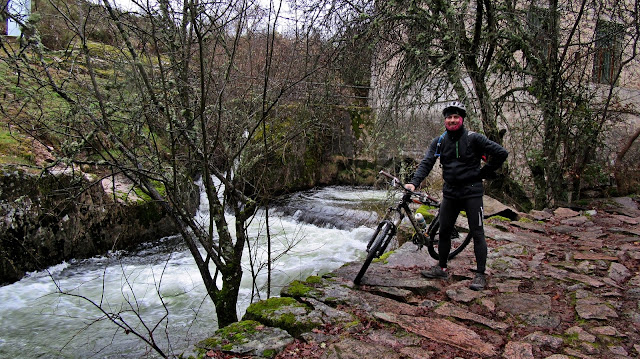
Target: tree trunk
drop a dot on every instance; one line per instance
(226, 298)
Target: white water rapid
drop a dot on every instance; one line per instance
(161, 283)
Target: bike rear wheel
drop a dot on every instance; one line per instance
(457, 244)
(378, 244)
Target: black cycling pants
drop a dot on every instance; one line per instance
(449, 210)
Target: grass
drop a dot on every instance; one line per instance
(383, 258)
(29, 104)
(14, 149)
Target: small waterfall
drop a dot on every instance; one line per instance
(329, 227)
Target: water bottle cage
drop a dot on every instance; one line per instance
(419, 239)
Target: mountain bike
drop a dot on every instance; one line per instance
(387, 228)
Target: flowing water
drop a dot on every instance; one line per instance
(159, 289)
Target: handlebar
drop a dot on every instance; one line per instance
(423, 197)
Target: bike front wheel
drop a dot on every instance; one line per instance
(457, 244)
(375, 250)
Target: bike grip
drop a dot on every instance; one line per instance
(390, 176)
(395, 180)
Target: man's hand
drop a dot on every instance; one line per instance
(486, 173)
(410, 187)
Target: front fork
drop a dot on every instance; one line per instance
(393, 228)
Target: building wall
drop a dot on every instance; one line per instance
(421, 109)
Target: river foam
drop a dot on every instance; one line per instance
(162, 283)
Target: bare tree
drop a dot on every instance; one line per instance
(190, 90)
(551, 45)
(432, 51)
(520, 63)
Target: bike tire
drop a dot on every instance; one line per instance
(456, 246)
(374, 250)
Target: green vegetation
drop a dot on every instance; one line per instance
(352, 324)
(269, 353)
(271, 305)
(383, 257)
(226, 337)
(424, 210)
(283, 312)
(297, 289)
(159, 186)
(499, 218)
(14, 149)
(314, 279)
(571, 339)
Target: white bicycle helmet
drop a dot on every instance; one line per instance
(454, 107)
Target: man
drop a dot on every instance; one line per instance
(460, 152)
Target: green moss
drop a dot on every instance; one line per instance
(14, 148)
(571, 339)
(297, 289)
(361, 119)
(314, 279)
(383, 257)
(424, 211)
(269, 353)
(286, 320)
(525, 220)
(440, 304)
(583, 202)
(233, 334)
(159, 186)
(265, 307)
(300, 289)
(101, 50)
(500, 218)
(352, 324)
(500, 264)
(284, 313)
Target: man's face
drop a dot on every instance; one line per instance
(453, 122)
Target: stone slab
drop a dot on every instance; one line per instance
(443, 331)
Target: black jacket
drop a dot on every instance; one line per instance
(460, 156)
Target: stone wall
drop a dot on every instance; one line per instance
(49, 219)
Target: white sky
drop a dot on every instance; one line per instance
(129, 4)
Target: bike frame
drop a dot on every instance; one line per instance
(388, 227)
(402, 209)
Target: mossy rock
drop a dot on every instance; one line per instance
(499, 222)
(499, 218)
(246, 337)
(285, 313)
(298, 289)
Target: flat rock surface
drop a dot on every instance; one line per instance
(562, 285)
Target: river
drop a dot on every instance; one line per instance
(161, 283)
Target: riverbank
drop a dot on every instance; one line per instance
(58, 216)
(562, 284)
